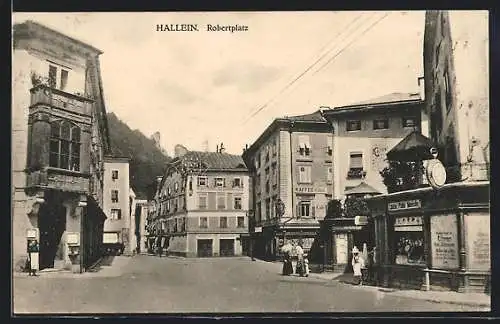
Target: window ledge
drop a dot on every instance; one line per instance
(68, 172)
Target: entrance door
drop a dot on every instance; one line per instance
(51, 223)
(204, 248)
(226, 247)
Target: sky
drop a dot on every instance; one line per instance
(196, 87)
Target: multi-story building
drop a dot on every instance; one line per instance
(439, 237)
(138, 222)
(291, 167)
(116, 203)
(364, 132)
(203, 204)
(59, 136)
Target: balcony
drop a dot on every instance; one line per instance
(356, 173)
(60, 179)
(75, 103)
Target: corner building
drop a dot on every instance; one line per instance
(290, 163)
(60, 137)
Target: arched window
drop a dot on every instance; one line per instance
(65, 146)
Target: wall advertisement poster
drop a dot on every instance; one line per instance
(478, 241)
(444, 241)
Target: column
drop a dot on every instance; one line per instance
(462, 279)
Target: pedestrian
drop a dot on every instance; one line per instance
(287, 262)
(300, 260)
(357, 265)
(306, 265)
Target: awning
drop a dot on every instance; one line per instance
(414, 147)
(362, 189)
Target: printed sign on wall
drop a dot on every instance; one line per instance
(444, 241)
(478, 241)
(378, 156)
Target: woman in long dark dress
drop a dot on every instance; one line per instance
(287, 264)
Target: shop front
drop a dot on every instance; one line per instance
(434, 239)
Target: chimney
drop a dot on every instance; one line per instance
(217, 148)
(222, 148)
(421, 87)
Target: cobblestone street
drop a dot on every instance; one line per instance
(148, 284)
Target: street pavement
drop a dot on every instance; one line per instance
(149, 284)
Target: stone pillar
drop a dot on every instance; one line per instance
(426, 226)
(462, 257)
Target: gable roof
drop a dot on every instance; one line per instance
(217, 161)
(313, 117)
(388, 98)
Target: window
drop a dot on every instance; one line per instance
(114, 174)
(305, 209)
(258, 212)
(220, 182)
(169, 191)
(257, 161)
(116, 214)
(353, 125)
(190, 185)
(409, 122)
(268, 209)
(221, 202)
(203, 222)
(223, 222)
(382, 123)
(274, 148)
(274, 175)
(202, 202)
(329, 174)
(409, 240)
(268, 187)
(176, 205)
(241, 222)
(176, 186)
(237, 203)
(65, 146)
(237, 183)
(202, 181)
(114, 196)
(54, 81)
(305, 174)
(267, 153)
(304, 145)
(355, 166)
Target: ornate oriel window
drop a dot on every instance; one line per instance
(65, 145)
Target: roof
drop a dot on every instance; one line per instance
(385, 102)
(362, 188)
(218, 161)
(388, 98)
(413, 147)
(33, 26)
(313, 117)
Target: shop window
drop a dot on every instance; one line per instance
(409, 240)
(64, 146)
(353, 125)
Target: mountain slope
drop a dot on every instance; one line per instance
(146, 160)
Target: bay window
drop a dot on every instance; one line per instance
(409, 240)
(64, 145)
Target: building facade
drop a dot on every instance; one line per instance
(202, 205)
(139, 221)
(439, 237)
(362, 135)
(292, 175)
(59, 137)
(117, 196)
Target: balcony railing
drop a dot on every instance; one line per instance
(60, 179)
(44, 95)
(356, 173)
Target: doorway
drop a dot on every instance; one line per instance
(226, 247)
(52, 224)
(204, 248)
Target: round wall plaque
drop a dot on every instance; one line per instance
(436, 173)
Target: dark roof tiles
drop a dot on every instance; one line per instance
(217, 161)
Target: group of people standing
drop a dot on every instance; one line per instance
(156, 245)
(290, 253)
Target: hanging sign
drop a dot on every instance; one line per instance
(360, 220)
(435, 173)
(258, 229)
(444, 241)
